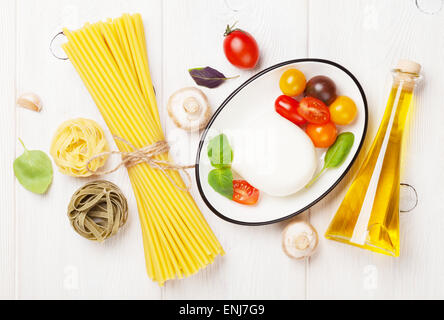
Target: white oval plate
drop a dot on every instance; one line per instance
(252, 97)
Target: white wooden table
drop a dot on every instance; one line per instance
(42, 257)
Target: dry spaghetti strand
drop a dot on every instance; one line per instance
(111, 59)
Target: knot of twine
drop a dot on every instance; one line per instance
(144, 155)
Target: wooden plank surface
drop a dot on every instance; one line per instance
(54, 262)
(253, 253)
(8, 143)
(367, 39)
(43, 258)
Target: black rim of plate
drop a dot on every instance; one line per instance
(263, 72)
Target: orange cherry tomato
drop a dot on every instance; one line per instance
(343, 111)
(322, 135)
(292, 83)
(244, 193)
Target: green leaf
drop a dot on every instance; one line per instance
(337, 153)
(33, 169)
(221, 180)
(220, 152)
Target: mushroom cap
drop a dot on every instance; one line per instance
(299, 240)
(189, 109)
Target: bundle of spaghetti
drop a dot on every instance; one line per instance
(111, 58)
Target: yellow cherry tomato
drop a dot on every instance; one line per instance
(292, 83)
(343, 111)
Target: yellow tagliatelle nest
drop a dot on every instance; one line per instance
(75, 143)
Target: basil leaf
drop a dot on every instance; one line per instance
(339, 150)
(220, 152)
(221, 180)
(208, 77)
(33, 169)
(337, 153)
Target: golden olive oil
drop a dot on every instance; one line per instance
(369, 215)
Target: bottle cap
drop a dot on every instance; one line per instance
(408, 66)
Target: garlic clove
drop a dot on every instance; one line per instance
(189, 109)
(30, 101)
(299, 240)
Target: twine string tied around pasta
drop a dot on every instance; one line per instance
(145, 155)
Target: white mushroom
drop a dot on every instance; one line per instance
(300, 239)
(30, 101)
(189, 109)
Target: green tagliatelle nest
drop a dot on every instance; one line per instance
(98, 210)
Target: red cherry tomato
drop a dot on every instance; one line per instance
(287, 107)
(244, 193)
(241, 48)
(322, 135)
(314, 111)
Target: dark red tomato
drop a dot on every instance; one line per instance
(314, 111)
(244, 193)
(241, 48)
(322, 88)
(288, 108)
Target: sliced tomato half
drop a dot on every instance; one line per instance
(314, 111)
(244, 193)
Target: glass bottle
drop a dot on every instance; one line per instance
(369, 215)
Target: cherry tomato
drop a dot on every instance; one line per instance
(343, 111)
(288, 108)
(324, 135)
(244, 193)
(292, 83)
(241, 48)
(322, 88)
(314, 111)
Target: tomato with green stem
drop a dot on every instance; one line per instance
(244, 193)
(241, 49)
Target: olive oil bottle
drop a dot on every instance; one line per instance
(369, 215)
